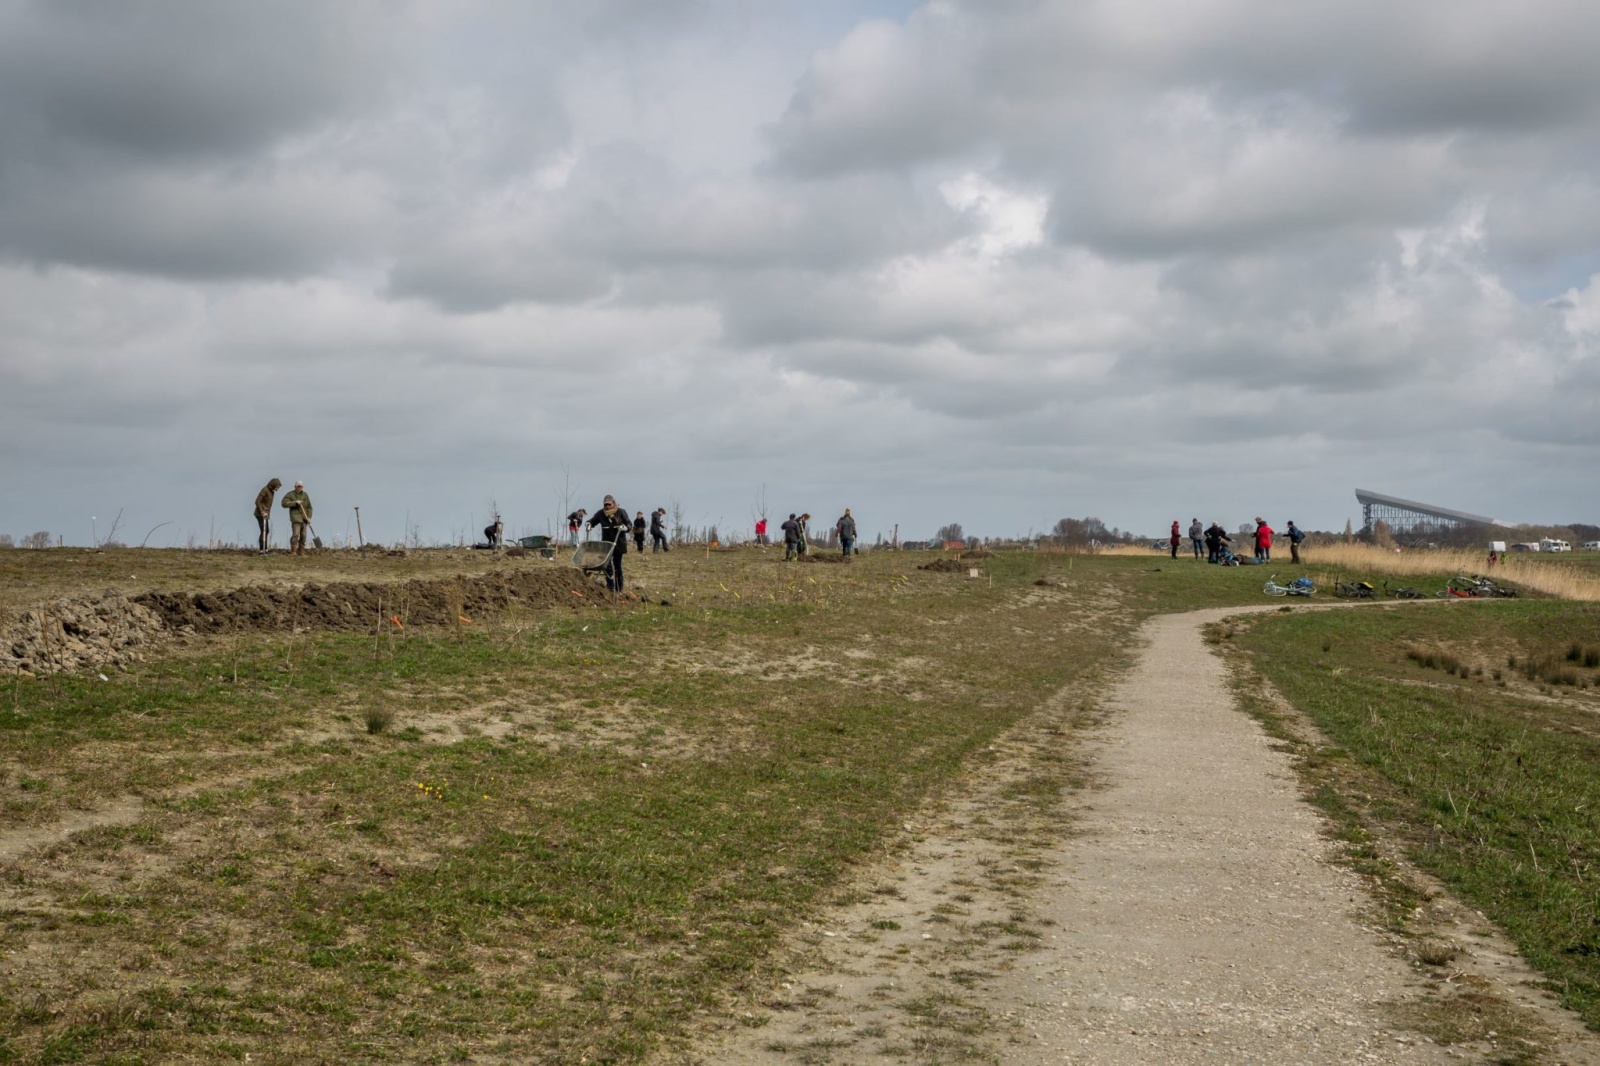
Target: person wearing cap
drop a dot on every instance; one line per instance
(1197, 536)
(264, 510)
(614, 525)
(1296, 537)
(298, 505)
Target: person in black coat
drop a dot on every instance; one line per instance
(791, 538)
(614, 525)
(638, 532)
(1216, 538)
(658, 532)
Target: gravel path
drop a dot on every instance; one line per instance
(1202, 924)
(1191, 917)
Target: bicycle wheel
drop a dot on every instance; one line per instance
(1272, 588)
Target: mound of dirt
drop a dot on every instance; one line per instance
(112, 630)
(824, 557)
(977, 553)
(75, 634)
(946, 566)
(347, 605)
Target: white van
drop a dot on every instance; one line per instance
(1591, 545)
(1554, 546)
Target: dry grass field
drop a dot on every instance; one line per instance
(553, 834)
(565, 829)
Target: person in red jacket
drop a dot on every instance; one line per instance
(1177, 538)
(1263, 540)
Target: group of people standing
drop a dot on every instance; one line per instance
(796, 534)
(296, 502)
(1217, 543)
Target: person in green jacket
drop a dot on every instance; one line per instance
(264, 510)
(299, 507)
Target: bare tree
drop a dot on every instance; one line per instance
(566, 492)
(680, 530)
(949, 533)
(110, 536)
(759, 510)
(1079, 532)
(5, 540)
(40, 539)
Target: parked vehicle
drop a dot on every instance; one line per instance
(1548, 545)
(1591, 545)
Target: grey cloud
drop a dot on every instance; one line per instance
(161, 77)
(203, 226)
(1276, 238)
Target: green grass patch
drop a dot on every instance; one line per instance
(1495, 785)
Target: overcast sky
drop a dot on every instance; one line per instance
(993, 262)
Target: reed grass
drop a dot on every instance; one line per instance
(1553, 579)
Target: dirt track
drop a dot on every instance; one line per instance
(1192, 917)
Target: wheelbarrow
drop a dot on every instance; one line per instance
(591, 556)
(540, 544)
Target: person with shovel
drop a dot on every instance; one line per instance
(264, 511)
(298, 505)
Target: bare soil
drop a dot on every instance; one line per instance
(110, 630)
(361, 605)
(946, 566)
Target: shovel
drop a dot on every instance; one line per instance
(316, 541)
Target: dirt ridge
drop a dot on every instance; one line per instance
(112, 630)
(361, 605)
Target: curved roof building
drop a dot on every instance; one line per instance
(1409, 516)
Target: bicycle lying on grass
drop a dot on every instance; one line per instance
(1402, 593)
(1298, 587)
(1354, 590)
(1471, 586)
